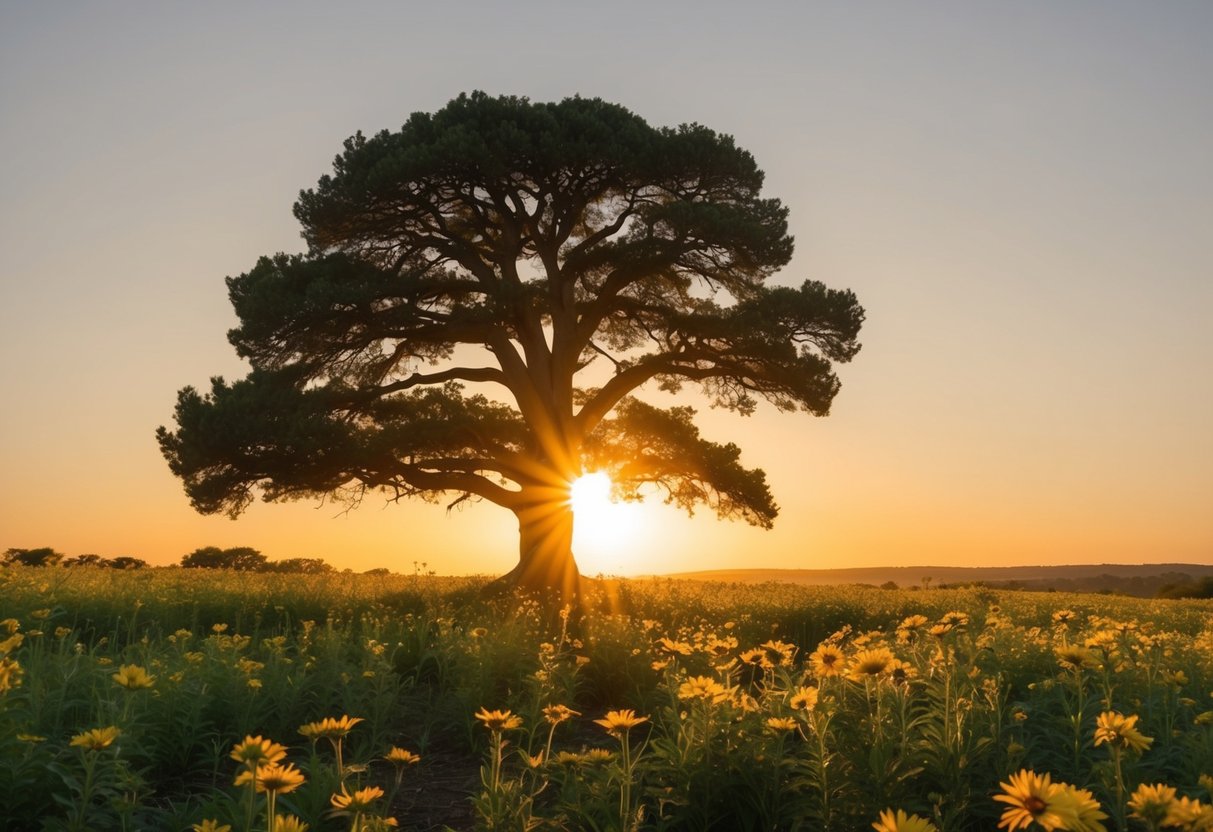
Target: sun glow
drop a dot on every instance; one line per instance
(603, 530)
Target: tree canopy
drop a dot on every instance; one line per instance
(238, 558)
(483, 293)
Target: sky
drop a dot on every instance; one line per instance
(1020, 194)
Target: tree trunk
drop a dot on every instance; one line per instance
(545, 554)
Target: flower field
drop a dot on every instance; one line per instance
(171, 699)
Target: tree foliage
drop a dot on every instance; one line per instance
(42, 556)
(238, 558)
(483, 293)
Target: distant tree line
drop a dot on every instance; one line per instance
(46, 556)
(239, 558)
(248, 559)
(1197, 588)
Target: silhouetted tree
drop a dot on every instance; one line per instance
(559, 256)
(307, 566)
(85, 560)
(44, 556)
(240, 558)
(127, 562)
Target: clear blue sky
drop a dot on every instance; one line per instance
(1021, 194)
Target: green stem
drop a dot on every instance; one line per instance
(86, 791)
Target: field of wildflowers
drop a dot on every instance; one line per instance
(170, 699)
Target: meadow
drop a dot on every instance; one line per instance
(174, 699)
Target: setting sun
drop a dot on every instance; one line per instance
(602, 529)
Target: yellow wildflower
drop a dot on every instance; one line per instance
(10, 674)
(1189, 813)
(499, 720)
(703, 687)
(616, 722)
(1152, 803)
(279, 779)
(804, 699)
(1030, 797)
(1074, 657)
(356, 803)
(401, 757)
(289, 823)
(329, 728)
(1117, 729)
(869, 663)
(556, 714)
(781, 723)
(1080, 809)
(899, 821)
(827, 660)
(96, 738)
(257, 751)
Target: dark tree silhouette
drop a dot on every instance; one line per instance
(42, 556)
(239, 558)
(483, 291)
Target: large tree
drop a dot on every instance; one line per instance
(483, 292)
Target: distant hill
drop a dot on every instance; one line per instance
(1143, 580)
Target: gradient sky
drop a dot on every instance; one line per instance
(1020, 194)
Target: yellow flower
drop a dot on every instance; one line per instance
(901, 672)
(401, 757)
(356, 803)
(804, 699)
(1080, 809)
(781, 723)
(703, 687)
(1189, 813)
(133, 677)
(1030, 798)
(827, 660)
(257, 751)
(556, 714)
(374, 823)
(1074, 657)
(1063, 616)
(289, 823)
(329, 728)
(10, 674)
(955, 618)
(870, 662)
(675, 648)
(279, 779)
(11, 643)
(96, 739)
(211, 826)
(779, 652)
(616, 722)
(1152, 803)
(755, 657)
(901, 822)
(499, 720)
(1118, 729)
